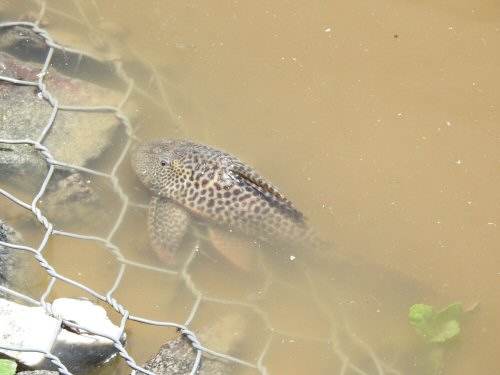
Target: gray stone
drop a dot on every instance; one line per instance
(76, 137)
(19, 269)
(71, 200)
(176, 357)
(24, 43)
(80, 351)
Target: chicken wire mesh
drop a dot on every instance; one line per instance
(46, 151)
(38, 145)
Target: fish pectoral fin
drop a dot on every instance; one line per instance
(167, 223)
(239, 250)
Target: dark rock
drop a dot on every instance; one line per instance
(75, 138)
(27, 45)
(19, 269)
(72, 200)
(23, 42)
(176, 357)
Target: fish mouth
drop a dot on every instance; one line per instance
(143, 161)
(137, 155)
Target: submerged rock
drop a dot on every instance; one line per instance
(19, 269)
(75, 137)
(26, 44)
(176, 357)
(71, 199)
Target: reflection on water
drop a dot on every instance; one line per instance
(378, 120)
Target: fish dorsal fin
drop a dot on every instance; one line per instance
(254, 179)
(251, 178)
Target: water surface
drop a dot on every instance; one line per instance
(378, 119)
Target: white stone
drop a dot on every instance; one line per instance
(24, 327)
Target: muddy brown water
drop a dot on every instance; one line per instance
(378, 119)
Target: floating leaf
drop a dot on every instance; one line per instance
(436, 326)
(7, 367)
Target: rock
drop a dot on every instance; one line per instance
(23, 165)
(71, 200)
(19, 269)
(75, 137)
(22, 41)
(38, 372)
(79, 350)
(176, 357)
(25, 44)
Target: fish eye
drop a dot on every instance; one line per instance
(164, 162)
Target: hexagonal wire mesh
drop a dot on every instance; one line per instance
(38, 143)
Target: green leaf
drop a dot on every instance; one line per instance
(7, 367)
(436, 326)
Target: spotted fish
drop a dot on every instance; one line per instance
(190, 181)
